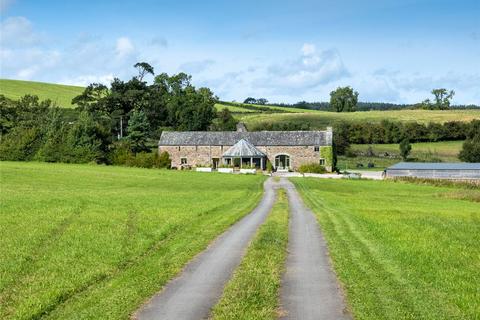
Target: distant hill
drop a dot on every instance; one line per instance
(61, 94)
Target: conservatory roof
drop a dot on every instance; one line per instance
(243, 148)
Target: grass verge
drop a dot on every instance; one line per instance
(401, 250)
(253, 292)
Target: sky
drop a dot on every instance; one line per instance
(285, 51)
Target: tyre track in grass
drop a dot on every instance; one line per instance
(199, 286)
(309, 288)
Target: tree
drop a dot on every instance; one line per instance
(343, 99)
(405, 148)
(143, 69)
(471, 147)
(137, 131)
(471, 150)
(262, 101)
(442, 100)
(250, 100)
(224, 121)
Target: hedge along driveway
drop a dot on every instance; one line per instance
(82, 241)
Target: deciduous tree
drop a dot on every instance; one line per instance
(343, 99)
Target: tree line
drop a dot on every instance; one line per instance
(345, 99)
(119, 124)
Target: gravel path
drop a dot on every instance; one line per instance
(309, 286)
(196, 290)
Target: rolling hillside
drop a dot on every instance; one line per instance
(255, 116)
(61, 94)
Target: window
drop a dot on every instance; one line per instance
(322, 162)
(183, 160)
(196, 148)
(316, 148)
(178, 148)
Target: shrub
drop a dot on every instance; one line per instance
(269, 166)
(471, 150)
(312, 168)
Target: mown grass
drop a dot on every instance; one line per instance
(253, 292)
(444, 151)
(401, 250)
(321, 119)
(60, 94)
(95, 242)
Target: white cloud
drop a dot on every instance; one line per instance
(308, 49)
(124, 47)
(308, 71)
(18, 32)
(85, 80)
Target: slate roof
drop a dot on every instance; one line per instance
(243, 148)
(435, 166)
(257, 138)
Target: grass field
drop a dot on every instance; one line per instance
(255, 108)
(62, 95)
(445, 151)
(253, 292)
(95, 242)
(321, 119)
(401, 250)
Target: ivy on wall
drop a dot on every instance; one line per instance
(327, 154)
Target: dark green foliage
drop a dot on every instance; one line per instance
(341, 139)
(20, 144)
(386, 131)
(122, 155)
(312, 168)
(442, 100)
(471, 147)
(405, 148)
(54, 141)
(143, 69)
(87, 141)
(343, 99)
(137, 131)
(224, 121)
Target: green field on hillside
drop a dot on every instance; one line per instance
(322, 119)
(401, 251)
(81, 241)
(60, 94)
(386, 155)
(256, 108)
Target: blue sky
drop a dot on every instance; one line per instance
(285, 51)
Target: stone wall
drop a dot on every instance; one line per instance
(202, 155)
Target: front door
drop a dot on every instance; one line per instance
(282, 162)
(215, 162)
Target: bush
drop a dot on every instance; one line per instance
(312, 168)
(20, 144)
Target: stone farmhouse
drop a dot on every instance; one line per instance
(286, 150)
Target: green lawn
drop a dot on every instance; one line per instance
(253, 292)
(62, 95)
(401, 251)
(321, 119)
(81, 241)
(386, 155)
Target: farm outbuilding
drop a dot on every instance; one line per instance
(458, 171)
